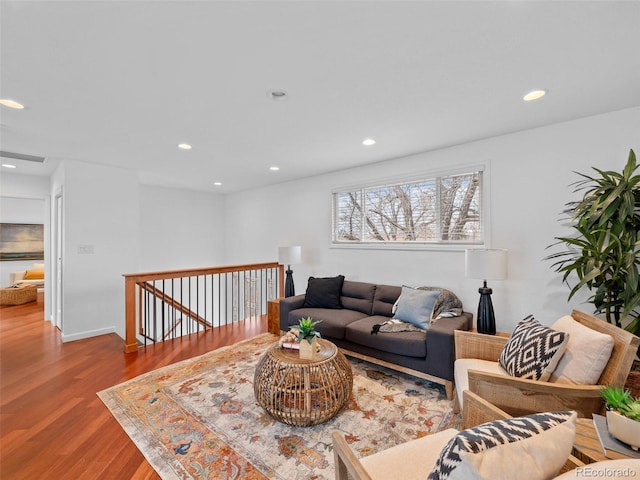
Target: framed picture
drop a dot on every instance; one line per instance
(21, 241)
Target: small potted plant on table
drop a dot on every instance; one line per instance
(307, 336)
(623, 415)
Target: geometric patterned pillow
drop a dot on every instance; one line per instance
(530, 447)
(533, 350)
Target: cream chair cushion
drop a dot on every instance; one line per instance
(462, 367)
(586, 355)
(408, 461)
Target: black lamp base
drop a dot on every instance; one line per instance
(289, 288)
(486, 322)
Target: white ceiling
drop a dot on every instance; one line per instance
(122, 83)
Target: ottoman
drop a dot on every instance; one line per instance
(18, 294)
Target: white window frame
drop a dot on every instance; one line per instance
(456, 246)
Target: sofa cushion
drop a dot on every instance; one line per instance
(324, 292)
(358, 296)
(384, 298)
(409, 344)
(586, 356)
(416, 306)
(524, 448)
(533, 350)
(333, 321)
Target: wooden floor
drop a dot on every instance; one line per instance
(52, 424)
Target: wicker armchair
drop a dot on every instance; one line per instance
(420, 455)
(518, 396)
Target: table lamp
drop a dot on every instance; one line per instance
(289, 256)
(489, 264)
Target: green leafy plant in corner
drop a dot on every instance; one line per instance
(603, 252)
(306, 329)
(621, 400)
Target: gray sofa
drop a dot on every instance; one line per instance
(427, 354)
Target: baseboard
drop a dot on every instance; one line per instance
(88, 334)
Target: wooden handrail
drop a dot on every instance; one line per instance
(168, 299)
(134, 279)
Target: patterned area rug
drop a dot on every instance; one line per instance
(199, 418)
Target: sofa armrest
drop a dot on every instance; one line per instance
(286, 305)
(478, 345)
(440, 348)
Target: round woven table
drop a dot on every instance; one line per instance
(303, 392)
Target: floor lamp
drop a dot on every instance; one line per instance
(289, 256)
(486, 265)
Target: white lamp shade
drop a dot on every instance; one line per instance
(289, 255)
(489, 264)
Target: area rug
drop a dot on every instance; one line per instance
(199, 419)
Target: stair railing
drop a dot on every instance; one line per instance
(163, 305)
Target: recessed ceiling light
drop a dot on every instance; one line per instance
(217, 184)
(11, 103)
(274, 168)
(184, 146)
(277, 95)
(534, 95)
(367, 142)
(8, 165)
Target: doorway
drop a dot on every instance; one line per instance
(57, 263)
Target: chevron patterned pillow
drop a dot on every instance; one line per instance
(533, 350)
(523, 448)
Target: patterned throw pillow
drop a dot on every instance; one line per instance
(531, 447)
(533, 350)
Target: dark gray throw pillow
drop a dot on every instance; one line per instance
(324, 292)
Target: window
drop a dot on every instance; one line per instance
(440, 210)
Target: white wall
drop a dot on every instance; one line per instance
(101, 214)
(530, 173)
(25, 199)
(131, 228)
(180, 229)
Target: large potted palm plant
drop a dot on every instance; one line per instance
(603, 250)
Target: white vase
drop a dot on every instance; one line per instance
(624, 429)
(308, 350)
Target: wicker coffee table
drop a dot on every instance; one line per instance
(303, 392)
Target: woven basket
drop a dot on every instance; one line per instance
(18, 295)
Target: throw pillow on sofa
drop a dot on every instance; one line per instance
(324, 292)
(533, 350)
(415, 306)
(524, 448)
(34, 275)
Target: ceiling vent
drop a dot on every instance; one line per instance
(22, 156)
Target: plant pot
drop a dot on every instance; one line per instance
(624, 429)
(308, 350)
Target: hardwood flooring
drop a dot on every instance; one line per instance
(52, 423)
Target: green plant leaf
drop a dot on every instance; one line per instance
(603, 251)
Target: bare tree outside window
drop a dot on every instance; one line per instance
(438, 210)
